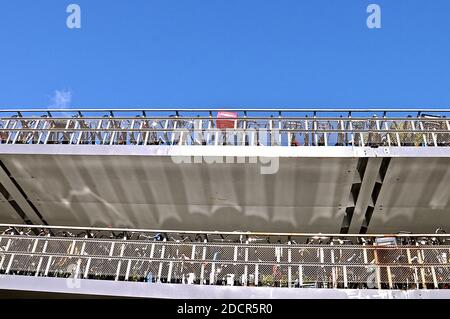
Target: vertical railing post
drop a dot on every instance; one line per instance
(8, 268)
(316, 138)
(202, 270)
(300, 276)
(163, 250)
(44, 250)
(350, 124)
(12, 132)
(333, 269)
(245, 275)
(106, 132)
(416, 277)
(8, 244)
(289, 267)
(83, 247)
(388, 134)
(389, 274)
(256, 275)
(127, 272)
(422, 270)
(74, 132)
(279, 128)
(119, 263)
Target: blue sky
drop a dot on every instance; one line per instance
(225, 53)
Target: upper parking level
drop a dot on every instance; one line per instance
(253, 127)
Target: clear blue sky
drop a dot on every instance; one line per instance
(226, 53)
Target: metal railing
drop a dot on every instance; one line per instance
(254, 127)
(397, 261)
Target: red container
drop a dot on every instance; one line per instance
(226, 119)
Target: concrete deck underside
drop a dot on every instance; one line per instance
(144, 187)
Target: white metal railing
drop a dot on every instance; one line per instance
(289, 127)
(231, 258)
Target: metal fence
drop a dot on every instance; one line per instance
(244, 259)
(248, 127)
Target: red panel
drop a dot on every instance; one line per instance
(226, 119)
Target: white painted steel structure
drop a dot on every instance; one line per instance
(336, 170)
(269, 171)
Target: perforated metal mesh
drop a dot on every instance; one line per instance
(275, 265)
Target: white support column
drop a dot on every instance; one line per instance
(127, 273)
(169, 272)
(435, 281)
(271, 132)
(416, 276)
(44, 250)
(163, 250)
(289, 267)
(48, 133)
(15, 134)
(67, 127)
(388, 135)
(235, 135)
(47, 268)
(344, 134)
(77, 272)
(34, 134)
(345, 277)
(316, 138)
(44, 127)
(174, 131)
(132, 135)
(111, 250)
(193, 252)
(33, 250)
(88, 265)
(8, 244)
(389, 274)
(244, 130)
(378, 276)
(7, 127)
(333, 270)
(199, 132)
(98, 133)
(433, 135)
(119, 264)
(300, 276)
(245, 279)
(422, 269)
(289, 138)
(72, 247)
(73, 133)
(212, 277)
(105, 134)
(279, 129)
(352, 136)
(413, 126)
(202, 270)
(208, 131)
(113, 134)
(8, 268)
(256, 275)
(139, 134)
(399, 143)
(424, 136)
